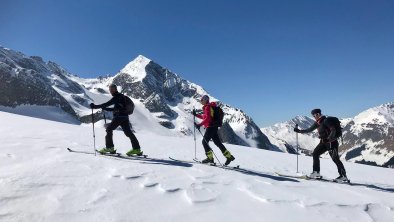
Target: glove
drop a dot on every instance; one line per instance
(194, 112)
(92, 105)
(197, 126)
(297, 130)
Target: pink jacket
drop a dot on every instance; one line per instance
(207, 115)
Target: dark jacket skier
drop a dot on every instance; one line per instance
(121, 119)
(328, 142)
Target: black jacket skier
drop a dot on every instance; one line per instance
(121, 119)
(328, 142)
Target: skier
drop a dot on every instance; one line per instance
(328, 142)
(120, 118)
(211, 131)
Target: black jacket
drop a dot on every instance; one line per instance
(119, 102)
(324, 128)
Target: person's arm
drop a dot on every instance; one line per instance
(310, 129)
(206, 117)
(108, 109)
(333, 131)
(200, 116)
(104, 105)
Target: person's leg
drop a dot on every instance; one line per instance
(208, 151)
(127, 131)
(218, 143)
(111, 127)
(109, 145)
(216, 140)
(319, 150)
(335, 157)
(207, 137)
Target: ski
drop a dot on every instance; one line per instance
(306, 177)
(144, 156)
(108, 154)
(79, 151)
(124, 156)
(214, 164)
(199, 162)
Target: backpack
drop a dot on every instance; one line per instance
(334, 121)
(217, 117)
(129, 105)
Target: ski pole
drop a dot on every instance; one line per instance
(94, 135)
(297, 145)
(194, 133)
(211, 149)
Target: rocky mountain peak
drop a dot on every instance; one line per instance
(136, 68)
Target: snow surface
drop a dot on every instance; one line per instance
(41, 181)
(43, 112)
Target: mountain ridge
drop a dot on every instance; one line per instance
(163, 95)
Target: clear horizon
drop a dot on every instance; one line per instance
(273, 60)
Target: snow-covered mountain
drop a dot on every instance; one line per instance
(163, 99)
(41, 181)
(282, 135)
(170, 99)
(367, 138)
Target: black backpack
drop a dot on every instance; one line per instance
(334, 121)
(129, 105)
(218, 114)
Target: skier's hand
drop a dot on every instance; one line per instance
(194, 112)
(197, 126)
(92, 105)
(297, 130)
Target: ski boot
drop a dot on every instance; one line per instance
(315, 175)
(134, 152)
(342, 179)
(229, 157)
(209, 159)
(110, 150)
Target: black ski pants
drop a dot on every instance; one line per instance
(122, 121)
(212, 133)
(332, 149)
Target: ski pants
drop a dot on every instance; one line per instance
(212, 133)
(124, 123)
(332, 149)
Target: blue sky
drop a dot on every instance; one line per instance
(272, 59)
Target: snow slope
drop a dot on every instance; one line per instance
(41, 181)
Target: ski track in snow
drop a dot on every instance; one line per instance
(41, 181)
